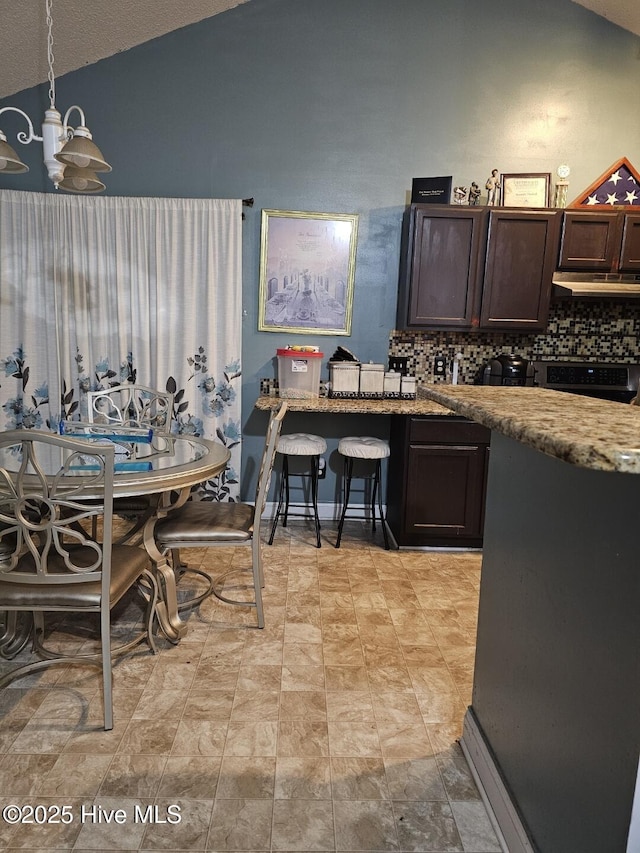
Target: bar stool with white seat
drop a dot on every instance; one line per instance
(299, 444)
(354, 447)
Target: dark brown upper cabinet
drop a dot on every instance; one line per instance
(442, 248)
(630, 245)
(477, 268)
(522, 246)
(600, 241)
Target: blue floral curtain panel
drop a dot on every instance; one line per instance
(97, 291)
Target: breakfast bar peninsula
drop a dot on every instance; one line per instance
(553, 730)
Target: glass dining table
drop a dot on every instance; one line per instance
(164, 469)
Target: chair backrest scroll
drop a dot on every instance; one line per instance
(45, 520)
(131, 405)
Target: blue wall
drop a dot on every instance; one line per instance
(335, 106)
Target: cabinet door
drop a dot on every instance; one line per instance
(436, 481)
(521, 255)
(444, 497)
(630, 248)
(590, 240)
(444, 266)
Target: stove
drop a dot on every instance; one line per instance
(605, 380)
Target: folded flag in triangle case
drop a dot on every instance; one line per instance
(618, 186)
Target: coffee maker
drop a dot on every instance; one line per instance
(508, 369)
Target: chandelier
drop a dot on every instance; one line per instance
(70, 155)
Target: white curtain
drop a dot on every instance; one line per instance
(95, 291)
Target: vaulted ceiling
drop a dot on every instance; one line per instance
(624, 13)
(85, 32)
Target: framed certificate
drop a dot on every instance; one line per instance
(526, 190)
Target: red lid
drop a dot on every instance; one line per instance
(294, 353)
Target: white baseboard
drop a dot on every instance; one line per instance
(327, 511)
(503, 814)
(330, 512)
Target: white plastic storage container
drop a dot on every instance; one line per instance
(299, 373)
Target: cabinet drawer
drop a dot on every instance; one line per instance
(447, 430)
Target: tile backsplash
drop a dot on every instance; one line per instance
(581, 330)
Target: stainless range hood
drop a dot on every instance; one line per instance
(596, 285)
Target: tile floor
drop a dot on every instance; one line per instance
(333, 729)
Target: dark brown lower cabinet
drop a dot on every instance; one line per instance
(437, 481)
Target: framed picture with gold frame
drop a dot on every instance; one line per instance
(526, 189)
(307, 271)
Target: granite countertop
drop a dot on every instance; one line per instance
(584, 431)
(420, 406)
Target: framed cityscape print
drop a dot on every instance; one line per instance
(307, 271)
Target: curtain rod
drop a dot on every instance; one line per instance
(247, 202)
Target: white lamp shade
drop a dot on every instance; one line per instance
(9, 160)
(77, 180)
(82, 153)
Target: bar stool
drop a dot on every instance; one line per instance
(299, 444)
(363, 447)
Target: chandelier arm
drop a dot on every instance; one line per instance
(67, 129)
(23, 137)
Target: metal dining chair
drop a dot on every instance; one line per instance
(131, 404)
(51, 562)
(207, 524)
(135, 405)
